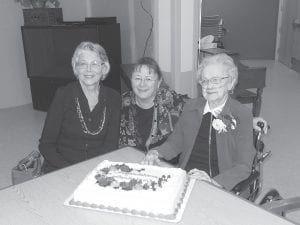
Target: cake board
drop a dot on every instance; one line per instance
(69, 202)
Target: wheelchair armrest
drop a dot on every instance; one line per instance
(243, 185)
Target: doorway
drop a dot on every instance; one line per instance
(288, 42)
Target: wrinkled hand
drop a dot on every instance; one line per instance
(151, 158)
(256, 127)
(202, 175)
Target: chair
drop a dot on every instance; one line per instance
(269, 199)
(213, 25)
(249, 88)
(250, 188)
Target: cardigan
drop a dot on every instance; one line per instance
(235, 148)
(63, 141)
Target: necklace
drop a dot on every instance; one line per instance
(83, 124)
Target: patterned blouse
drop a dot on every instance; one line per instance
(168, 106)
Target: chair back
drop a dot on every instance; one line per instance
(251, 77)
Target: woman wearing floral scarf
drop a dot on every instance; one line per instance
(151, 110)
(214, 134)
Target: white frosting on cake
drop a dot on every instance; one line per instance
(162, 197)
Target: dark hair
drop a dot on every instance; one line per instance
(150, 63)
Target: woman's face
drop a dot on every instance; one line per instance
(89, 68)
(216, 84)
(145, 84)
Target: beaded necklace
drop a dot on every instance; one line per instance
(83, 124)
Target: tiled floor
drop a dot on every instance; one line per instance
(21, 127)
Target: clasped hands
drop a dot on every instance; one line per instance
(152, 158)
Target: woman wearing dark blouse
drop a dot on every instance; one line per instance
(151, 110)
(83, 119)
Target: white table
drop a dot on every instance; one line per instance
(40, 201)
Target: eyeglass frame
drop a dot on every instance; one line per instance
(214, 81)
(81, 65)
(139, 79)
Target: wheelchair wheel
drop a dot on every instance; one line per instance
(267, 195)
(270, 196)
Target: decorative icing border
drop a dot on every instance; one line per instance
(176, 217)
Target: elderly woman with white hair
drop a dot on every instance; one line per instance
(84, 117)
(214, 134)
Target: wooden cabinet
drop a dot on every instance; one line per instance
(48, 52)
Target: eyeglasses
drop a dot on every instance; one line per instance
(94, 66)
(214, 81)
(146, 79)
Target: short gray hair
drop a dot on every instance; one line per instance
(221, 59)
(94, 47)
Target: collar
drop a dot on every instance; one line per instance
(216, 111)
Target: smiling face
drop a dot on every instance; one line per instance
(145, 83)
(214, 92)
(89, 68)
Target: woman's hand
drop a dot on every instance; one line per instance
(151, 158)
(202, 175)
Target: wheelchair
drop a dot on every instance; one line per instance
(270, 199)
(251, 187)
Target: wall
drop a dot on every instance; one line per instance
(287, 12)
(14, 85)
(108, 8)
(143, 25)
(296, 44)
(176, 42)
(135, 24)
(74, 10)
(252, 25)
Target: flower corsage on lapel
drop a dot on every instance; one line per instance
(224, 123)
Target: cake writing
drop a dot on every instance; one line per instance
(121, 176)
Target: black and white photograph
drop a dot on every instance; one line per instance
(150, 112)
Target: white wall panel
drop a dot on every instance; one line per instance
(187, 35)
(164, 35)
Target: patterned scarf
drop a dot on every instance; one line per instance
(168, 107)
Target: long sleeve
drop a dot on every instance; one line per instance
(51, 131)
(183, 137)
(244, 152)
(173, 146)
